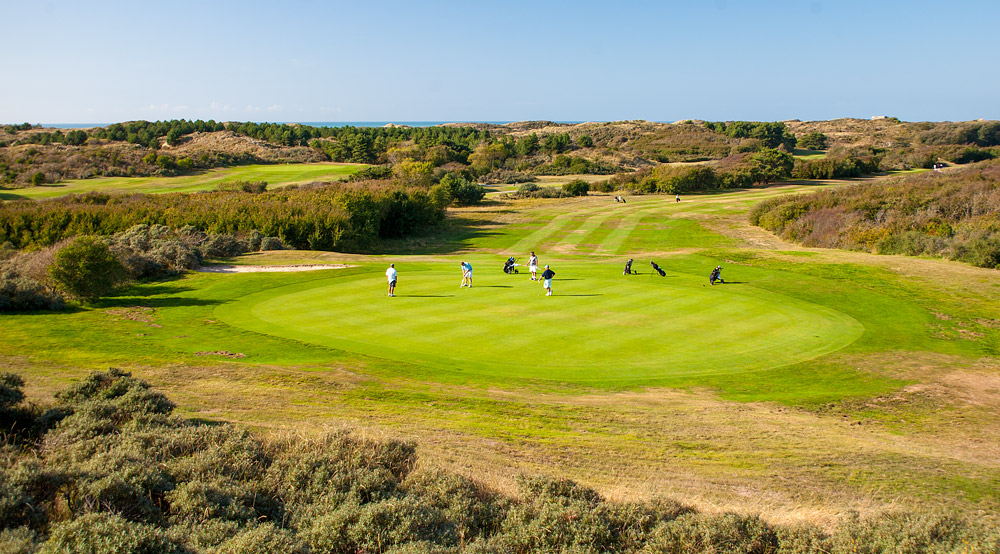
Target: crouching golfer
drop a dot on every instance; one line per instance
(716, 276)
(547, 276)
(390, 274)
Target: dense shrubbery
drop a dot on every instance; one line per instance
(771, 134)
(838, 164)
(986, 133)
(331, 217)
(253, 187)
(812, 141)
(570, 165)
(955, 214)
(28, 279)
(743, 170)
(114, 471)
(577, 187)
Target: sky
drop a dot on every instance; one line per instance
(86, 61)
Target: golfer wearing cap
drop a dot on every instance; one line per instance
(547, 276)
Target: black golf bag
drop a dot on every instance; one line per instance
(628, 268)
(716, 276)
(657, 269)
(510, 266)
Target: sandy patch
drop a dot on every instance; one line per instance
(267, 268)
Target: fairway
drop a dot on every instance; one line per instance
(276, 175)
(599, 327)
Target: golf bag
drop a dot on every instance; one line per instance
(510, 266)
(658, 270)
(628, 268)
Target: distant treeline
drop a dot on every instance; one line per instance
(343, 217)
(954, 214)
(110, 469)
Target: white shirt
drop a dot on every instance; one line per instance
(390, 274)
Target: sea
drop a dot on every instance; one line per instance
(313, 123)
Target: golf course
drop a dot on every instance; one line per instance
(811, 383)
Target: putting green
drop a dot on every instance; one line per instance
(598, 327)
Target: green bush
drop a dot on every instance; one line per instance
(102, 533)
(720, 534)
(263, 539)
(812, 141)
(252, 187)
(87, 269)
(18, 541)
(577, 187)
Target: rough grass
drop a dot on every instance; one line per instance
(902, 417)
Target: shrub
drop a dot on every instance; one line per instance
(271, 243)
(252, 187)
(901, 533)
(527, 189)
(372, 173)
(221, 246)
(714, 534)
(506, 177)
(18, 541)
(461, 190)
(471, 511)
(263, 539)
(108, 534)
(812, 141)
(21, 293)
(577, 187)
(87, 269)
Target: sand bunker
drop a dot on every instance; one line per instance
(267, 268)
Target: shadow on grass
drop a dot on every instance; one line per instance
(424, 295)
(10, 196)
(455, 235)
(167, 302)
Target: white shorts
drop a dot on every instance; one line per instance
(533, 269)
(548, 283)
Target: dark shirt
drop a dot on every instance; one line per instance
(548, 274)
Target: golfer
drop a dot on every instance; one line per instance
(533, 265)
(466, 274)
(390, 274)
(547, 276)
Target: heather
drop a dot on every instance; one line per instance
(953, 214)
(108, 467)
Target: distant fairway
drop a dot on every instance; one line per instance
(600, 326)
(276, 175)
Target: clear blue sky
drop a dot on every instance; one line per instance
(79, 61)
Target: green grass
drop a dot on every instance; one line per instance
(276, 175)
(806, 154)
